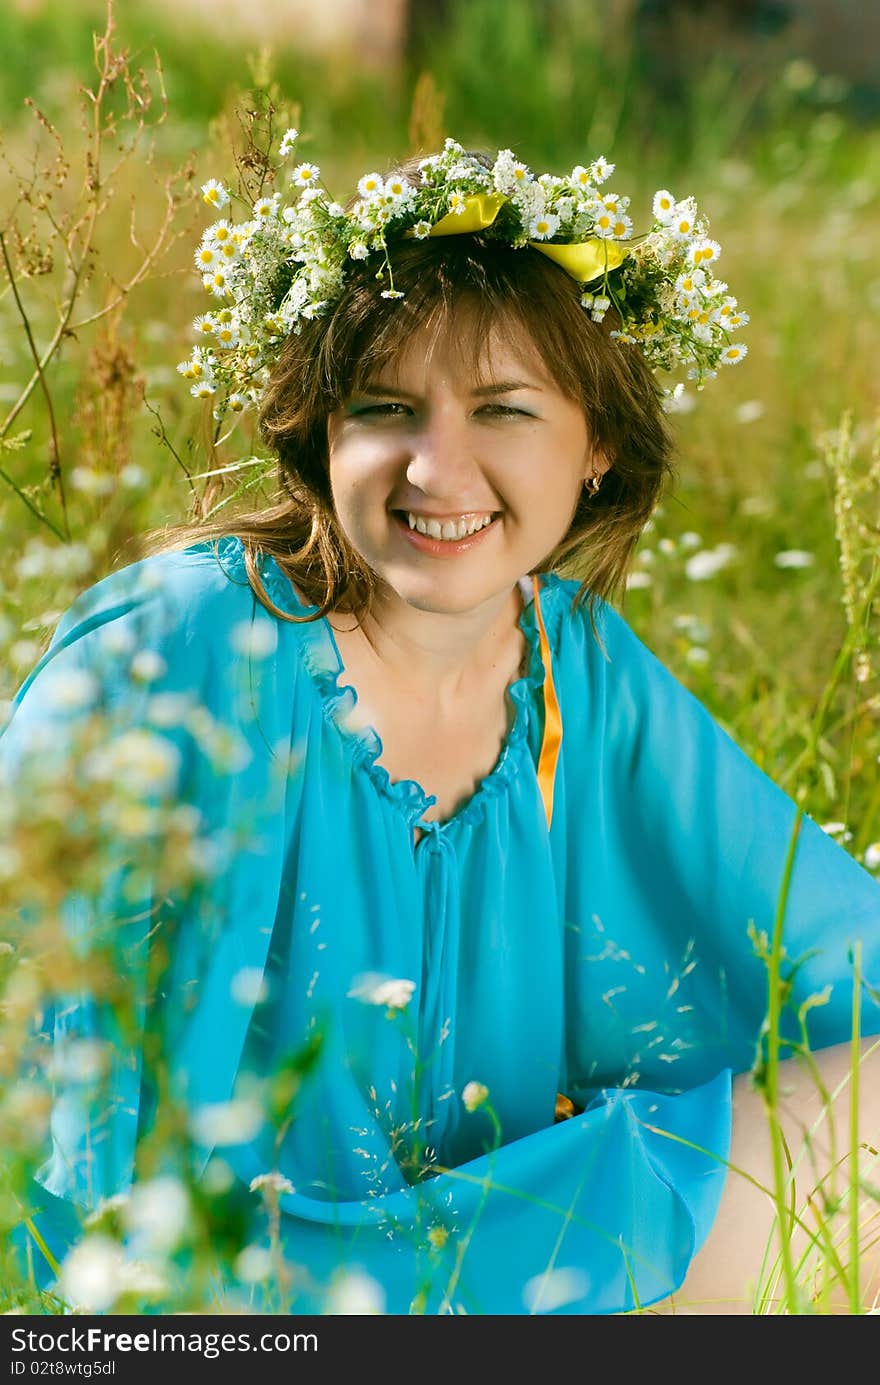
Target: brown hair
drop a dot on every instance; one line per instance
(521, 291)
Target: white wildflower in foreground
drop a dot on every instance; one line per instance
(355, 1293)
(872, 855)
(253, 1264)
(474, 1095)
(249, 986)
(157, 1213)
(375, 989)
(275, 1182)
(227, 1122)
(255, 639)
(148, 665)
(74, 690)
(143, 761)
(554, 1289)
(91, 1278)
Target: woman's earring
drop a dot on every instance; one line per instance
(592, 483)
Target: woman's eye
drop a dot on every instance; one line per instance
(504, 411)
(390, 410)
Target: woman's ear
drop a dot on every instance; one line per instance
(597, 463)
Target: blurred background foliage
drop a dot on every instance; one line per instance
(766, 112)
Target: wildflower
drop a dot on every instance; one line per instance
(355, 1292)
(421, 229)
(690, 539)
(601, 169)
(217, 281)
(731, 355)
(91, 482)
(872, 855)
(148, 665)
(474, 1095)
(373, 989)
(265, 208)
(253, 1264)
(396, 188)
(391, 293)
(836, 829)
(438, 1236)
(664, 206)
(749, 411)
(74, 690)
(703, 565)
(543, 227)
(91, 1275)
(203, 390)
(305, 175)
(793, 557)
(697, 656)
(214, 194)
(600, 307)
(207, 256)
(683, 222)
(371, 185)
(274, 1181)
(227, 1122)
(288, 140)
(219, 233)
(144, 761)
(80, 1060)
(635, 580)
(249, 987)
(704, 252)
(238, 402)
(157, 1212)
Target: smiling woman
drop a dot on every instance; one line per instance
(491, 874)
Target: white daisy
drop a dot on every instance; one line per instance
(203, 389)
(421, 229)
(358, 250)
(543, 227)
(601, 169)
(396, 188)
(214, 193)
(206, 256)
(371, 185)
(305, 175)
(581, 177)
(732, 355)
(288, 140)
(704, 252)
(664, 206)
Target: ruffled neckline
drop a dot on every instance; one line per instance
(323, 662)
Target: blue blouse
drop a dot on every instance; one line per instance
(606, 955)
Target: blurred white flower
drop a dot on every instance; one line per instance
(872, 855)
(257, 638)
(554, 1289)
(91, 482)
(73, 690)
(703, 565)
(355, 1292)
(79, 1060)
(697, 656)
(836, 829)
(374, 989)
(227, 1122)
(749, 411)
(793, 557)
(24, 653)
(157, 1212)
(253, 1264)
(148, 665)
(133, 478)
(143, 761)
(474, 1095)
(91, 1277)
(249, 986)
(690, 539)
(636, 580)
(168, 709)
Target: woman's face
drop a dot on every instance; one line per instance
(428, 439)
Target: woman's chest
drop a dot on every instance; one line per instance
(449, 752)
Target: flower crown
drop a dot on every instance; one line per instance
(287, 262)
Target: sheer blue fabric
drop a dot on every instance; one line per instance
(607, 957)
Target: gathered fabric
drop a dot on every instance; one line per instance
(581, 925)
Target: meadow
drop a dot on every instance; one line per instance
(755, 581)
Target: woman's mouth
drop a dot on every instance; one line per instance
(440, 547)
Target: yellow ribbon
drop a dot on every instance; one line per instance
(585, 260)
(552, 741)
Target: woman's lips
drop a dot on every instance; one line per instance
(441, 548)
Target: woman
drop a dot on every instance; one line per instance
(485, 878)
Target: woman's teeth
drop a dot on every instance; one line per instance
(449, 529)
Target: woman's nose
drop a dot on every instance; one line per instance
(442, 460)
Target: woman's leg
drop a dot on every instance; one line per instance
(724, 1274)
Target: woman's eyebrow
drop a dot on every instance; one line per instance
(376, 387)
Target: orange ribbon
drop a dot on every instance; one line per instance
(552, 741)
